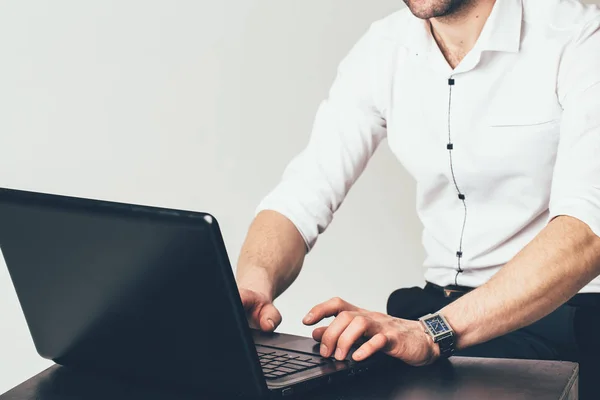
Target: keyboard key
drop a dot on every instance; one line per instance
(311, 361)
(301, 364)
(308, 359)
(277, 364)
(293, 367)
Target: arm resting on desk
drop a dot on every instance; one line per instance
(562, 259)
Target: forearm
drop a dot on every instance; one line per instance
(272, 255)
(562, 259)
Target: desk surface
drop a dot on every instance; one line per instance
(462, 378)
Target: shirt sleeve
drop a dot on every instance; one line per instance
(347, 129)
(576, 179)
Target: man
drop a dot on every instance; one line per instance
(494, 107)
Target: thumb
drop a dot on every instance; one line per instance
(250, 299)
(270, 318)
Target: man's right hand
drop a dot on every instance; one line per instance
(260, 311)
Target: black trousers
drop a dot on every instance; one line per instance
(568, 334)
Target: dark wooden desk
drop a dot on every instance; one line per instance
(462, 378)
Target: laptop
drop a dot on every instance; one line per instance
(148, 294)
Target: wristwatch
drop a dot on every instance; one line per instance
(441, 332)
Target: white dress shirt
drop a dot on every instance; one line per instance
(499, 146)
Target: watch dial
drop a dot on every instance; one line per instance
(437, 325)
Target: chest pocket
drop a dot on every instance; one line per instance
(520, 134)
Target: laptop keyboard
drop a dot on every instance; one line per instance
(277, 364)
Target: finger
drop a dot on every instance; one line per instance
(359, 327)
(270, 318)
(331, 335)
(318, 333)
(327, 309)
(372, 346)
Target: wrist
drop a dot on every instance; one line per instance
(441, 335)
(458, 326)
(421, 331)
(434, 348)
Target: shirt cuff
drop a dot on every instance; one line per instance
(298, 214)
(585, 210)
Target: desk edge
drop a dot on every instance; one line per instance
(574, 377)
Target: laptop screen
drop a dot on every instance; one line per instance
(135, 290)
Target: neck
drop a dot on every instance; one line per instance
(456, 34)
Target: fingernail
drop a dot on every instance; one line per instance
(324, 350)
(358, 354)
(308, 318)
(338, 354)
(270, 321)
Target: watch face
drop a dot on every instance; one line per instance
(436, 325)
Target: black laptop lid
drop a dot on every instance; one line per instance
(130, 290)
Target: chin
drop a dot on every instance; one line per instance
(427, 9)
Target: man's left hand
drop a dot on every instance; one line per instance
(399, 338)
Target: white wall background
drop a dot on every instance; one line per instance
(197, 105)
